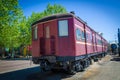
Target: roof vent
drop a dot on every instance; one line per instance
(72, 12)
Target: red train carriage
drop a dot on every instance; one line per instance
(64, 41)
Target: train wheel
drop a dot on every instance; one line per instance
(85, 63)
(95, 59)
(44, 65)
(78, 66)
(90, 61)
(54, 70)
(71, 69)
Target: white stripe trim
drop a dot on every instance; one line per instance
(78, 42)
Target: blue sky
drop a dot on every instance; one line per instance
(101, 15)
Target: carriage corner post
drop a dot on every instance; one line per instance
(119, 41)
(65, 42)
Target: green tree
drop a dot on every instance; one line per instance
(10, 17)
(53, 9)
(50, 10)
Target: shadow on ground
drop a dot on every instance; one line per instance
(19, 74)
(48, 76)
(115, 58)
(33, 74)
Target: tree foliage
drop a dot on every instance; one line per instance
(15, 29)
(10, 15)
(53, 9)
(50, 10)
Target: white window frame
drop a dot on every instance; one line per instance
(35, 32)
(78, 36)
(63, 27)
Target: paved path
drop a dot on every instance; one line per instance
(13, 65)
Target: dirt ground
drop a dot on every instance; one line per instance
(106, 69)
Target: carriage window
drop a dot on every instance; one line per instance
(35, 32)
(83, 35)
(63, 27)
(78, 34)
(91, 36)
(87, 36)
(47, 30)
(99, 42)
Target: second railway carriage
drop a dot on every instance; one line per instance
(64, 41)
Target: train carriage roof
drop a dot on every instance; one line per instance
(55, 16)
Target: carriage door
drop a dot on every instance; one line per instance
(93, 42)
(49, 40)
